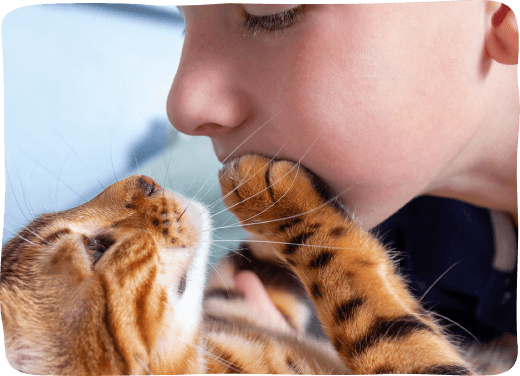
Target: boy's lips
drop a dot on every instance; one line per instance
(224, 154)
(219, 151)
(222, 157)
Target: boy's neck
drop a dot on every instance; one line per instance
(489, 182)
(484, 173)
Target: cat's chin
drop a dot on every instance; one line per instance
(188, 307)
(185, 310)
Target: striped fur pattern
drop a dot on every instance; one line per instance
(116, 286)
(372, 321)
(113, 286)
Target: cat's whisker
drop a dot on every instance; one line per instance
(209, 189)
(144, 365)
(282, 196)
(437, 280)
(202, 186)
(168, 166)
(453, 322)
(317, 366)
(299, 365)
(34, 169)
(35, 234)
(50, 172)
(13, 221)
(195, 197)
(208, 207)
(48, 191)
(236, 252)
(219, 200)
(218, 238)
(229, 219)
(21, 237)
(111, 159)
(59, 175)
(14, 195)
(222, 279)
(29, 207)
(213, 356)
(189, 188)
(76, 154)
(251, 135)
(136, 164)
(256, 194)
(288, 217)
(286, 243)
(242, 183)
(183, 212)
(298, 167)
(240, 145)
(32, 232)
(54, 208)
(24, 196)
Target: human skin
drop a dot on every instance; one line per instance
(384, 102)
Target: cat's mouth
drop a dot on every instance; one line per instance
(194, 213)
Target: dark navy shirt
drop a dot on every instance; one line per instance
(431, 235)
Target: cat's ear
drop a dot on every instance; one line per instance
(502, 35)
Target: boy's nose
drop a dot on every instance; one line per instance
(202, 102)
(207, 97)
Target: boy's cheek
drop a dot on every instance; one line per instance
(384, 104)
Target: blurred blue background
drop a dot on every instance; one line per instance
(85, 90)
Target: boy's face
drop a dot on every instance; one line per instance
(388, 94)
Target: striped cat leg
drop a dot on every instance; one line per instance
(367, 312)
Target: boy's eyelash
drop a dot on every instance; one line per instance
(273, 23)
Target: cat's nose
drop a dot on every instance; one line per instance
(148, 180)
(148, 185)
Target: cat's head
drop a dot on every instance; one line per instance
(110, 286)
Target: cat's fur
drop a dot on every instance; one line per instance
(115, 286)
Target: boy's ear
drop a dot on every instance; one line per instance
(502, 38)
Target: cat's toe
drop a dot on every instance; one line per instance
(266, 192)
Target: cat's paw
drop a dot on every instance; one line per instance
(267, 194)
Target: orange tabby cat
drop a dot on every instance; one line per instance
(116, 286)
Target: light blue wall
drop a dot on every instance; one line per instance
(85, 93)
